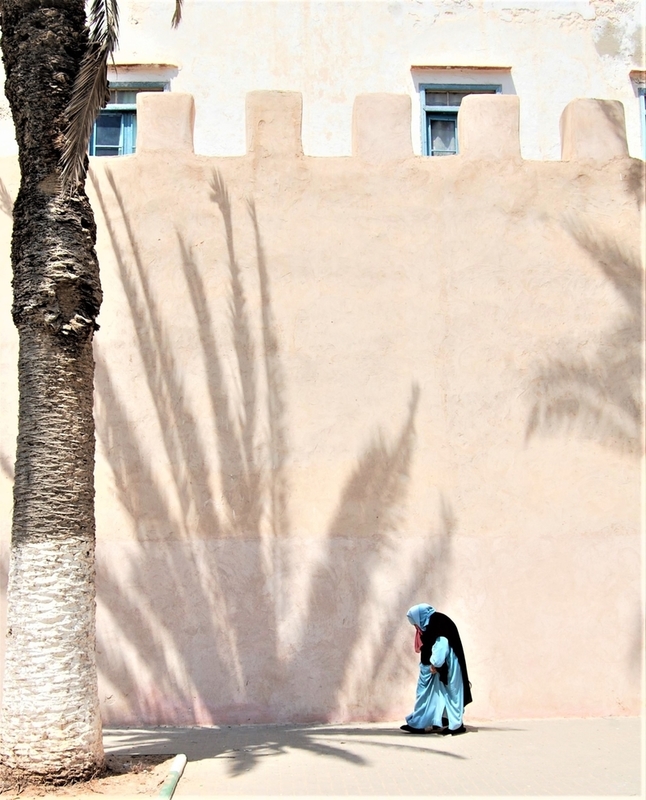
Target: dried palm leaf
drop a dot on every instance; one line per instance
(90, 92)
(177, 16)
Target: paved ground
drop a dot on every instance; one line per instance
(538, 757)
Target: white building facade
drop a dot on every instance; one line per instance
(547, 52)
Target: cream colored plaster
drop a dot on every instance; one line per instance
(368, 140)
(171, 124)
(606, 118)
(488, 127)
(329, 388)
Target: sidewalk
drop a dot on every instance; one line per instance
(571, 757)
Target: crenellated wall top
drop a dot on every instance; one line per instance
(488, 127)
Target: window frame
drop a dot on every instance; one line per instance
(642, 115)
(447, 112)
(128, 111)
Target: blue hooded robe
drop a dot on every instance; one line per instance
(440, 694)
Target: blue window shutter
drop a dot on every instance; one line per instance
(129, 133)
(114, 132)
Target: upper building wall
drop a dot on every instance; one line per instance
(330, 51)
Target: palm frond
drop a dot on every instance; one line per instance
(90, 92)
(177, 16)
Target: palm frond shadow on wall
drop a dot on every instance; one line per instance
(598, 395)
(194, 618)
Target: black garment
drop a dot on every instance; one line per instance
(441, 625)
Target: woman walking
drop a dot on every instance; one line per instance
(443, 688)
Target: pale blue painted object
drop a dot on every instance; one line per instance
(435, 700)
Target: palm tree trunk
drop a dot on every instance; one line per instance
(51, 726)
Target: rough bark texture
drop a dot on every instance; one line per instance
(50, 718)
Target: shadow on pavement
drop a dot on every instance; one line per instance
(245, 745)
(486, 728)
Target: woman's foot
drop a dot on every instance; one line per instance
(456, 732)
(410, 729)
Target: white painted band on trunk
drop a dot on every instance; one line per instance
(50, 701)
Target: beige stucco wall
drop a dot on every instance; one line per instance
(331, 51)
(330, 388)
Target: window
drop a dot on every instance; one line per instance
(638, 80)
(642, 114)
(440, 106)
(115, 130)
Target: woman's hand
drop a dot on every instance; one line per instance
(433, 670)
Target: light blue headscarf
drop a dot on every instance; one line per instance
(420, 615)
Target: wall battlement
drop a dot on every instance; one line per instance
(488, 126)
